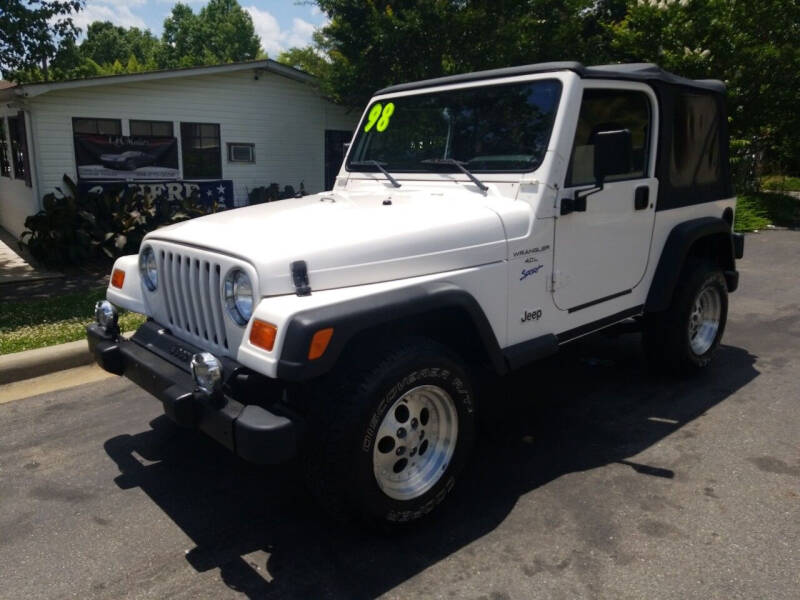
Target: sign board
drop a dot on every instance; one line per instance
(126, 158)
(208, 192)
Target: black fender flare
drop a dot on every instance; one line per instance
(673, 256)
(351, 317)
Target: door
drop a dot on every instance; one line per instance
(602, 253)
(335, 148)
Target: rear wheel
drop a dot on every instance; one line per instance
(683, 338)
(390, 432)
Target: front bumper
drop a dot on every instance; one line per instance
(159, 362)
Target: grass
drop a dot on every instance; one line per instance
(780, 183)
(758, 210)
(37, 323)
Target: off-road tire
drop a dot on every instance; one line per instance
(347, 409)
(666, 335)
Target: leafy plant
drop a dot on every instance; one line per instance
(780, 183)
(744, 158)
(273, 192)
(72, 228)
(759, 210)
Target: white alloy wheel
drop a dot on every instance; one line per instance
(415, 442)
(704, 320)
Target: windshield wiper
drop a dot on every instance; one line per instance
(375, 163)
(456, 163)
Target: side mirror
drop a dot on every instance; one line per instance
(613, 153)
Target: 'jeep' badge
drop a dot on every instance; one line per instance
(531, 315)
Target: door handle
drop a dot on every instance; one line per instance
(641, 197)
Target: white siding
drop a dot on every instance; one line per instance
(17, 200)
(285, 119)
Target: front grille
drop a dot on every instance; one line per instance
(192, 294)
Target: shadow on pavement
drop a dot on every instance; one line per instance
(571, 413)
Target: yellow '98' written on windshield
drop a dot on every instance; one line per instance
(379, 116)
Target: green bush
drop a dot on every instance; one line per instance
(760, 209)
(780, 183)
(72, 228)
(273, 192)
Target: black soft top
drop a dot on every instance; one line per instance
(692, 163)
(630, 72)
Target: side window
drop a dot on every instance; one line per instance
(610, 109)
(200, 148)
(695, 156)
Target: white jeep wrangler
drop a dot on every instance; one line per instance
(478, 221)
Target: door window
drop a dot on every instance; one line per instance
(603, 110)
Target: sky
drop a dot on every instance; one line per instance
(279, 24)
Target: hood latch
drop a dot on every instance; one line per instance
(300, 278)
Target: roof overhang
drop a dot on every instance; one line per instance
(32, 90)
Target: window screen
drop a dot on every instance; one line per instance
(97, 126)
(151, 128)
(603, 110)
(695, 156)
(200, 149)
(5, 164)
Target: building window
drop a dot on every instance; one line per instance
(200, 149)
(151, 128)
(97, 126)
(19, 148)
(241, 152)
(5, 164)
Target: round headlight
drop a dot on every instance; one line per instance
(239, 296)
(147, 266)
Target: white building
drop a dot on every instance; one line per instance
(243, 125)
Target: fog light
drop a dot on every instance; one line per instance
(106, 314)
(207, 372)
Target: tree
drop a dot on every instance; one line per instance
(227, 31)
(180, 38)
(33, 31)
(221, 32)
(370, 45)
(106, 43)
(752, 46)
(306, 59)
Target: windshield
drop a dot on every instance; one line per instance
(499, 128)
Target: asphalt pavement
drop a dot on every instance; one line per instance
(596, 480)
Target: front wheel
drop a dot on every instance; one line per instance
(683, 338)
(391, 433)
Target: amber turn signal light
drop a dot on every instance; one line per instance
(319, 343)
(118, 278)
(262, 334)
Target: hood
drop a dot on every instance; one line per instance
(352, 238)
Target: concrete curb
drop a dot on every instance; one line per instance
(42, 361)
